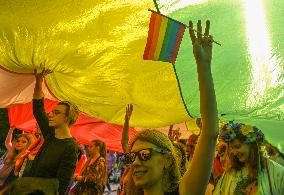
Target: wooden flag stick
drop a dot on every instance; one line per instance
(184, 25)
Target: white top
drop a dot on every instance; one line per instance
(231, 183)
(276, 173)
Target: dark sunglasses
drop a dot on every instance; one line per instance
(143, 155)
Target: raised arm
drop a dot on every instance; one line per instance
(197, 176)
(8, 141)
(125, 132)
(38, 103)
(170, 133)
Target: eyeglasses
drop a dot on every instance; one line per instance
(57, 112)
(143, 155)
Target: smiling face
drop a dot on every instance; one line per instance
(241, 150)
(21, 143)
(149, 173)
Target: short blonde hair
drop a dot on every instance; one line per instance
(72, 111)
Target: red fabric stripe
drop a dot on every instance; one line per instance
(84, 131)
(177, 43)
(150, 36)
(155, 36)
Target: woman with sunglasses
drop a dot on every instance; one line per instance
(154, 166)
(16, 149)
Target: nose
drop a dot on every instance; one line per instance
(137, 161)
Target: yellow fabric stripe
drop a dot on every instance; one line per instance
(97, 59)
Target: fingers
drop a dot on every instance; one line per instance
(207, 28)
(130, 107)
(208, 40)
(128, 111)
(201, 38)
(48, 71)
(191, 32)
(199, 29)
(44, 72)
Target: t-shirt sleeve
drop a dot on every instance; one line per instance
(67, 166)
(41, 117)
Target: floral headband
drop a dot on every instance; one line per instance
(231, 131)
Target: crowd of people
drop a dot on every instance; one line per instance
(236, 160)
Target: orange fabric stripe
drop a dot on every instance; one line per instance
(150, 36)
(155, 36)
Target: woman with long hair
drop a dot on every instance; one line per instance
(93, 177)
(16, 149)
(247, 171)
(152, 158)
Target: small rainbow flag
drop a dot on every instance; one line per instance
(164, 38)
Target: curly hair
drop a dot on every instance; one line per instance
(180, 151)
(171, 175)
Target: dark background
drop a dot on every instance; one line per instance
(4, 127)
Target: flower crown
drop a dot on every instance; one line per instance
(231, 131)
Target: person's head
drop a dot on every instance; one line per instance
(22, 142)
(190, 145)
(244, 142)
(153, 161)
(64, 114)
(97, 147)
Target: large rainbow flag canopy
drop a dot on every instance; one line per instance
(95, 49)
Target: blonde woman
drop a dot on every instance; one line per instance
(15, 148)
(152, 158)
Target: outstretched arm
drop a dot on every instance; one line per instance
(125, 132)
(8, 141)
(197, 176)
(38, 103)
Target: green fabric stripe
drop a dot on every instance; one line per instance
(164, 54)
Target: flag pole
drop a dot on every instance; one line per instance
(158, 12)
(157, 7)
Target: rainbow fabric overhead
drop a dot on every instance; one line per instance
(95, 50)
(164, 38)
